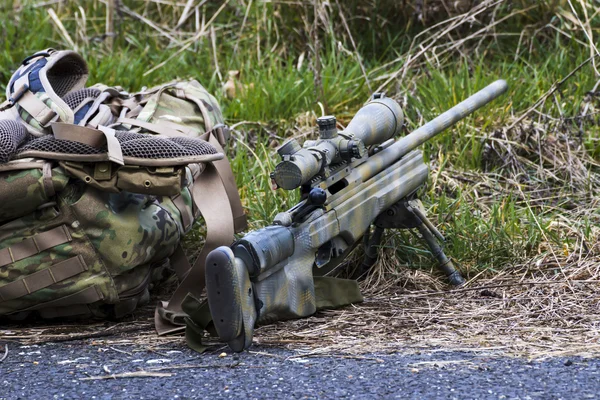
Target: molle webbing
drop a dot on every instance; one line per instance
(34, 245)
(43, 278)
(89, 295)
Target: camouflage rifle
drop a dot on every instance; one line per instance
(349, 181)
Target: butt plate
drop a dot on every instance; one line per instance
(223, 290)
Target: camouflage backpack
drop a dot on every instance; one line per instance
(98, 187)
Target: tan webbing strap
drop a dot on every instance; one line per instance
(47, 180)
(115, 154)
(92, 137)
(186, 216)
(196, 170)
(179, 262)
(165, 128)
(36, 108)
(226, 175)
(34, 245)
(133, 112)
(42, 279)
(76, 133)
(103, 117)
(211, 198)
(130, 103)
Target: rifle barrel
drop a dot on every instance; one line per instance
(432, 128)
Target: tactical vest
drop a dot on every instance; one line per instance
(98, 187)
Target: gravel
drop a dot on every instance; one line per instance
(71, 370)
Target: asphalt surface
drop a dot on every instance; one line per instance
(76, 370)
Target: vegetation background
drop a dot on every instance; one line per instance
(514, 187)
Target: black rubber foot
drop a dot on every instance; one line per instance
(223, 290)
(456, 279)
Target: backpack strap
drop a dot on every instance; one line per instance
(217, 137)
(35, 93)
(164, 128)
(211, 198)
(212, 191)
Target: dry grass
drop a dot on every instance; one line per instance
(533, 311)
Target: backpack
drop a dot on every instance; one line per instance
(98, 188)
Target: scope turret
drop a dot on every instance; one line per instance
(327, 127)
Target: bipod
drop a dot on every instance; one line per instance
(409, 214)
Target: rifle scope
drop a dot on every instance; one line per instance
(376, 122)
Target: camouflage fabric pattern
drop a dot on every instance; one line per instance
(123, 238)
(96, 276)
(127, 230)
(120, 236)
(22, 191)
(185, 103)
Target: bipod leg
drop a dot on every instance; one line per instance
(444, 263)
(372, 242)
(408, 214)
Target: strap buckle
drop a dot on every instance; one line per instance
(17, 94)
(14, 97)
(222, 133)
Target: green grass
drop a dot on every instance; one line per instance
(281, 100)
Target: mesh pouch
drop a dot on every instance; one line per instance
(12, 134)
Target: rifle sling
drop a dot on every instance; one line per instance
(332, 293)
